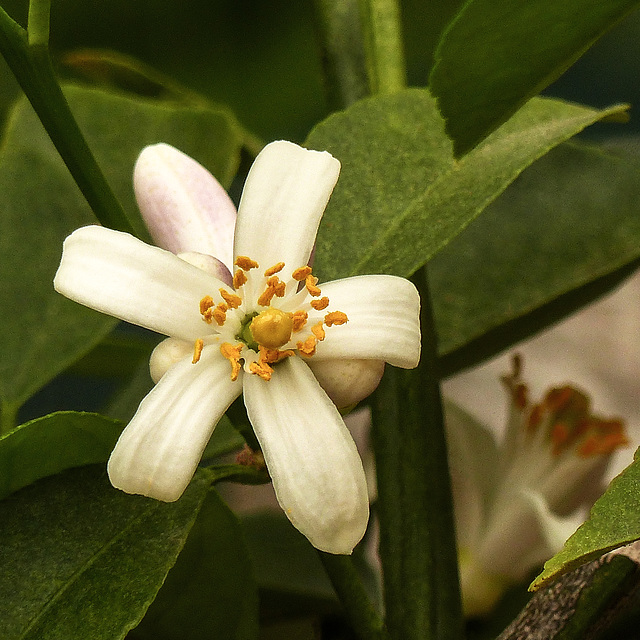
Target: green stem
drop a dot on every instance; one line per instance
(341, 41)
(27, 55)
(383, 45)
(348, 585)
(417, 535)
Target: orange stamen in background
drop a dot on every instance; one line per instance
(311, 282)
(239, 278)
(321, 304)
(335, 317)
(205, 304)
(275, 287)
(232, 354)
(246, 263)
(301, 273)
(275, 269)
(233, 301)
(299, 320)
(560, 435)
(219, 314)
(197, 350)
(318, 331)
(308, 347)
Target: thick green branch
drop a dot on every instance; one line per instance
(417, 537)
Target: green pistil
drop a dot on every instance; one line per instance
(245, 334)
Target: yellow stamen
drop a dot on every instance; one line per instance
(233, 301)
(232, 354)
(205, 304)
(318, 331)
(197, 350)
(246, 263)
(219, 314)
(308, 347)
(239, 278)
(272, 328)
(335, 317)
(299, 320)
(275, 287)
(321, 304)
(275, 269)
(311, 282)
(261, 369)
(301, 273)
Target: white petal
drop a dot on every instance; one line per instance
(159, 450)
(347, 381)
(121, 276)
(183, 205)
(316, 470)
(384, 320)
(284, 197)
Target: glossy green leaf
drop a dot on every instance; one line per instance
(563, 233)
(210, 592)
(83, 560)
(613, 522)
(40, 204)
(51, 444)
(496, 55)
(402, 196)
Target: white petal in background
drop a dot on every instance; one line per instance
(117, 274)
(284, 197)
(159, 450)
(314, 464)
(184, 207)
(596, 350)
(384, 320)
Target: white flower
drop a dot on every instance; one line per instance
(517, 503)
(249, 323)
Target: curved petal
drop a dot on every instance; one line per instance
(384, 320)
(316, 470)
(284, 197)
(184, 206)
(117, 274)
(158, 452)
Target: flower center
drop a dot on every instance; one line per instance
(272, 328)
(262, 333)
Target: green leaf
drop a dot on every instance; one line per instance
(83, 560)
(210, 592)
(51, 444)
(563, 233)
(613, 522)
(402, 196)
(496, 55)
(45, 333)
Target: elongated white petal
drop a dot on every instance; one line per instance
(121, 276)
(159, 450)
(384, 320)
(183, 205)
(285, 194)
(316, 470)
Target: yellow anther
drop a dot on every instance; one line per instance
(261, 369)
(272, 328)
(246, 263)
(321, 304)
(275, 269)
(233, 301)
(299, 320)
(239, 278)
(335, 317)
(308, 347)
(311, 282)
(232, 354)
(301, 273)
(318, 331)
(197, 350)
(275, 287)
(219, 314)
(205, 304)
